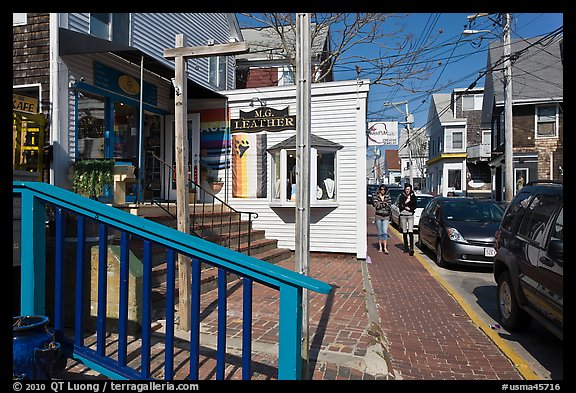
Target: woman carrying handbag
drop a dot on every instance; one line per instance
(381, 203)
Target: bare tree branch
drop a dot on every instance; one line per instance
(376, 42)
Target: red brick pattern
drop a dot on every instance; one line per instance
(430, 335)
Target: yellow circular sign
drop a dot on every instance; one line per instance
(129, 84)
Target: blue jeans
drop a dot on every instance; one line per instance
(382, 226)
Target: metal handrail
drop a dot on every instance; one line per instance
(221, 238)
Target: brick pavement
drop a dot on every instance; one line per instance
(385, 319)
(429, 335)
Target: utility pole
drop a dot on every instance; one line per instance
(181, 54)
(377, 176)
(303, 125)
(508, 121)
(408, 123)
(508, 129)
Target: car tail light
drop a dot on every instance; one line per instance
(497, 237)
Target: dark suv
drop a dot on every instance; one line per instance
(529, 262)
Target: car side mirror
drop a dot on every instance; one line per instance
(556, 250)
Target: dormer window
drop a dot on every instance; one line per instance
(472, 102)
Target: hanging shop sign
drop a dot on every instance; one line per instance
(24, 104)
(118, 82)
(263, 119)
(383, 133)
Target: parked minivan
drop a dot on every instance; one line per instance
(529, 260)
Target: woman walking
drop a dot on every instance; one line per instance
(381, 203)
(407, 206)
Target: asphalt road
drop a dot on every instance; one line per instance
(539, 349)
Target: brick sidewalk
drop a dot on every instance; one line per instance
(430, 336)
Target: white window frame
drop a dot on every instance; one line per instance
(19, 19)
(537, 121)
(449, 139)
(218, 77)
(451, 187)
(286, 76)
(520, 171)
(476, 102)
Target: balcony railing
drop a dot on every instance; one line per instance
(480, 151)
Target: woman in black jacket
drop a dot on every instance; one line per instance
(407, 207)
(381, 203)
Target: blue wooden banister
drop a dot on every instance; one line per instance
(36, 196)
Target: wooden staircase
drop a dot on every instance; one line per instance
(214, 223)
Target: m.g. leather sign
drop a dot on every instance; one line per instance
(263, 119)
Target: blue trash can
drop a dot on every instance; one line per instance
(34, 349)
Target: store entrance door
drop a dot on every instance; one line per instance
(193, 152)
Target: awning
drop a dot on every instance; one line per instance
(74, 43)
(315, 141)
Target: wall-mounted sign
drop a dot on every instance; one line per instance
(116, 81)
(129, 84)
(24, 103)
(383, 133)
(263, 119)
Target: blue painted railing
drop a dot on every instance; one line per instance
(36, 196)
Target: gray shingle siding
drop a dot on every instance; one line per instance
(536, 74)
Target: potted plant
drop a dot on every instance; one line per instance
(215, 183)
(91, 177)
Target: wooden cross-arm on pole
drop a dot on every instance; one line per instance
(232, 48)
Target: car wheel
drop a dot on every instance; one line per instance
(512, 317)
(439, 258)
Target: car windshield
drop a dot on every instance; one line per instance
(482, 211)
(422, 201)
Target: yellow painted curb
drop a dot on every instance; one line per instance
(523, 367)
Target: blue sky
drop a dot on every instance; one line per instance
(461, 61)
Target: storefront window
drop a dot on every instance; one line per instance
(125, 133)
(326, 186)
(291, 175)
(323, 171)
(91, 126)
(322, 175)
(277, 183)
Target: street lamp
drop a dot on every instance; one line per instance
(470, 32)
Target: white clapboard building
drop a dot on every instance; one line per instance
(261, 177)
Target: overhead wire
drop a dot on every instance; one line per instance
(493, 67)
